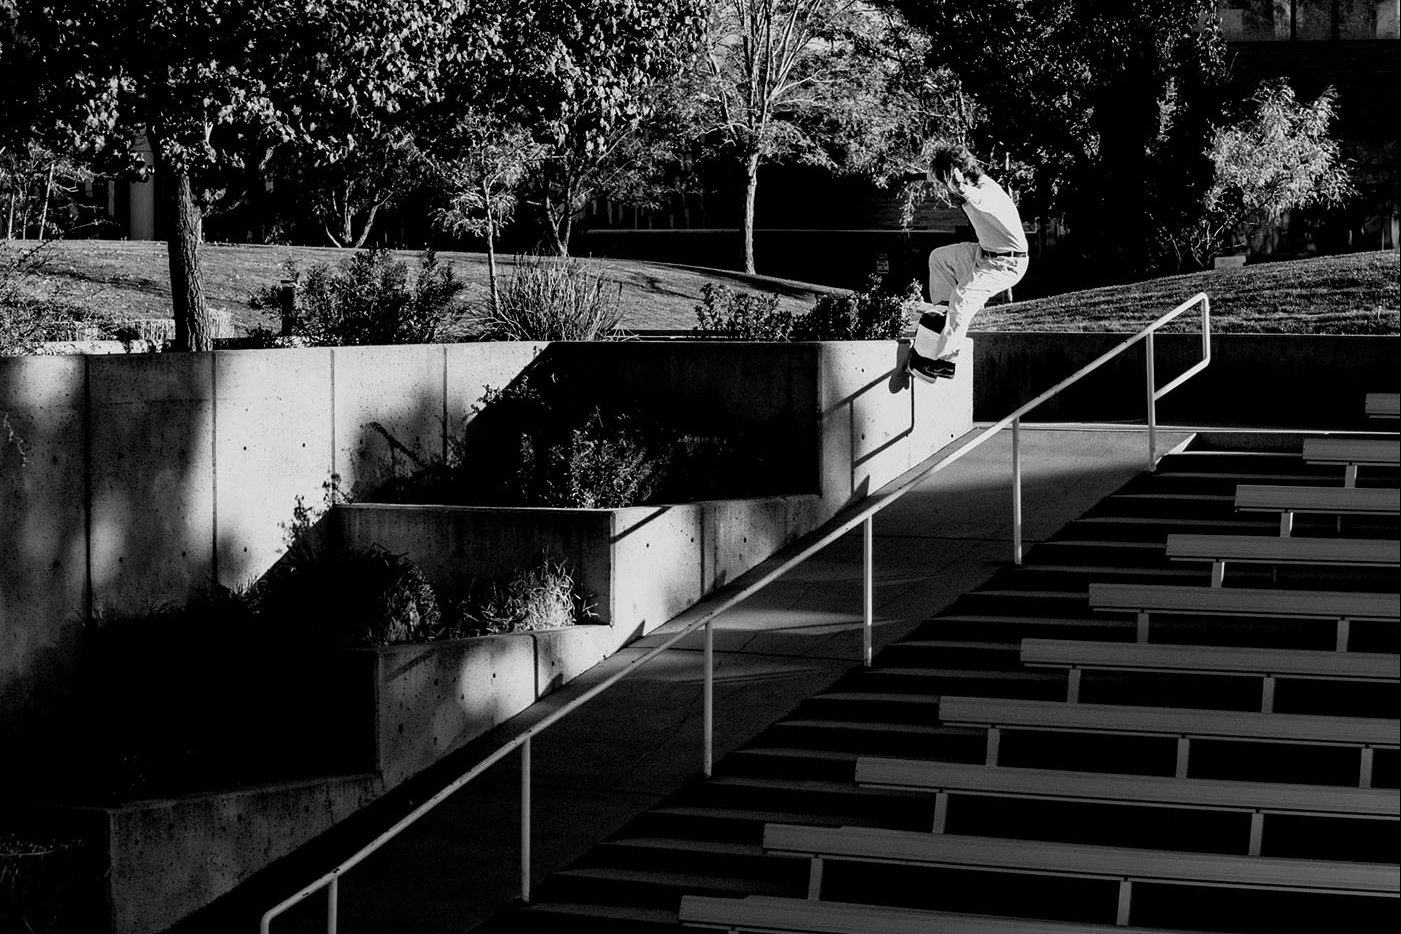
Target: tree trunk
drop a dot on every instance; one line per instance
(193, 328)
(48, 191)
(490, 250)
(369, 226)
(751, 184)
(551, 229)
(10, 219)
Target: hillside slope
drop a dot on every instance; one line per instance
(1348, 294)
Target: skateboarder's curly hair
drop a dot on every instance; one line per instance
(950, 156)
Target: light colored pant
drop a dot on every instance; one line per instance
(964, 277)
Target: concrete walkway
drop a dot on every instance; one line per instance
(635, 744)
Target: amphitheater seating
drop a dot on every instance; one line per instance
(1078, 656)
(767, 914)
(1352, 453)
(1156, 777)
(1257, 798)
(1339, 501)
(996, 714)
(1264, 549)
(1341, 605)
(1383, 404)
(1124, 864)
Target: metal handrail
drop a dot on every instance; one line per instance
(704, 612)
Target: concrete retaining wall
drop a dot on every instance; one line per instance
(132, 480)
(644, 564)
(1257, 380)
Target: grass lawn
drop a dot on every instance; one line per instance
(131, 279)
(1351, 294)
(1355, 293)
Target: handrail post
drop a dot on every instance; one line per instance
(868, 601)
(332, 904)
(1017, 491)
(525, 821)
(708, 714)
(1152, 405)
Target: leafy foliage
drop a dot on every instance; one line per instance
(870, 313)
(745, 316)
(834, 83)
(589, 76)
(480, 171)
(603, 463)
(552, 299)
(348, 192)
(541, 442)
(198, 80)
(542, 596)
(370, 298)
(350, 596)
(1088, 105)
(1277, 160)
(38, 187)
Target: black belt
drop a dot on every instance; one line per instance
(1013, 253)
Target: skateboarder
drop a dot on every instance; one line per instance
(963, 276)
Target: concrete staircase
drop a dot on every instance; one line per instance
(706, 838)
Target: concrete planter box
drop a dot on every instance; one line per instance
(641, 565)
(432, 699)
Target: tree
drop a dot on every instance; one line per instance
(587, 78)
(810, 80)
(481, 179)
(1276, 160)
(348, 192)
(38, 186)
(1079, 91)
(192, 77)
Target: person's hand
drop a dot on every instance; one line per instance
(956, 185)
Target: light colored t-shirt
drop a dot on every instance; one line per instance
(994, 217)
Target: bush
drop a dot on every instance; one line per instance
(743, 316)
(871, 313)
(350, 597)
(868, 314)
(541, 597)
(370, 298)
(551, 299)
(603, 463)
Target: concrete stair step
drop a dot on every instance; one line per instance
(774, 760)
(994, 656)
(822, 801)
(929, 683)
(883, 737)
(725, 858)
(1224, 484)
(1080, 551)
(556, 916)
(1040, 572)
(1235, 461)
(660, 888)
(731, 822)
(1010, 629)
(882, 705)
(1172, 505)
(1156, 529)
(1002, 600)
